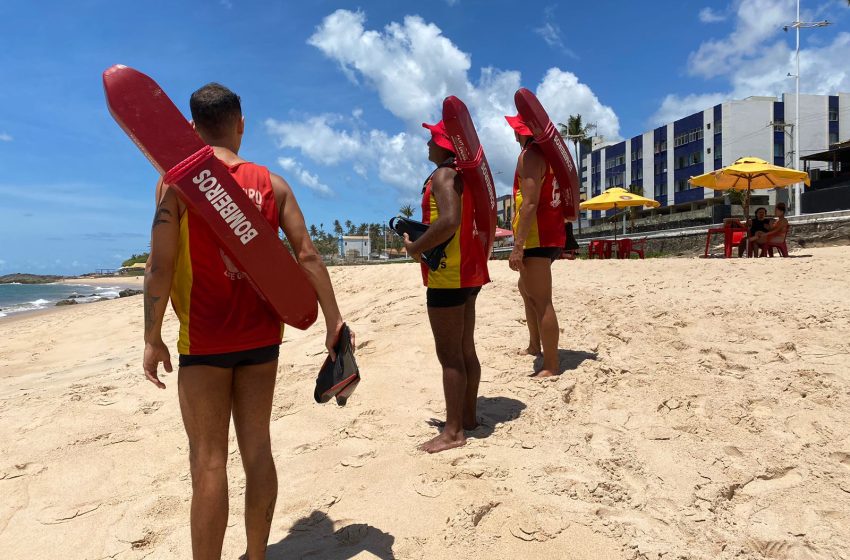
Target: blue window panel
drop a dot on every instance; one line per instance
(689, 195)
(779, 111)
(595, 214)
(662, 199)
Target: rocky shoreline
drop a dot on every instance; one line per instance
(19, 278)
(72, 300)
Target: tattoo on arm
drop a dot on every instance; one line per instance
(160, 217)
(150, 312)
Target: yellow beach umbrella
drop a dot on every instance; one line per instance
(748, 174)
(615, 198)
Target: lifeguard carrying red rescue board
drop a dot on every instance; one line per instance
(554, 149)
(204, 184)
(471, 163)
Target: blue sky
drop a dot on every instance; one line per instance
(334, 92)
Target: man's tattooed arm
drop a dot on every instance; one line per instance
(160, 266)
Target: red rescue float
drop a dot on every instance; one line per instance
(554, 149)
(167, 139)
(472, 165)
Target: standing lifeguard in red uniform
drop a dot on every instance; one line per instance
(539, 238)
(453, 288)
(229, 338)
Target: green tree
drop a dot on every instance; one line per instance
(576, 131)
(314, 233)
(134, 258)
(406, 210)
(349, 227)
(337, 228)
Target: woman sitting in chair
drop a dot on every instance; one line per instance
(760, 224)
(776, 232)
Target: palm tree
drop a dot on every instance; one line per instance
(579, 133)
(406, 210)
(576, 131)
(349, 227)
(337, 228)
(314, 232)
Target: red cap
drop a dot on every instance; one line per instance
(519, 125)
(440, 135)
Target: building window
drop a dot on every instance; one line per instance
(833, 115)
(695, 158)
(708, 150)
(778, 150)
(718, 128)
(708, 126)
(682, 185)
(833, 138)
(718, 152)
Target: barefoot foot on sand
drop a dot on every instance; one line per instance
(545, 373)
(531, 351)
(442, 442)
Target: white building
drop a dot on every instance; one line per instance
(661, 161)
(357, 246)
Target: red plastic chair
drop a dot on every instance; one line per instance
(624, 248)
(638, 247)
(596, 247)
(781, 246)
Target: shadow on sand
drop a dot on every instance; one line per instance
(314, 537)
(567, 360)
(492, 411)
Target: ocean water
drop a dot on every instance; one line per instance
(17, 298)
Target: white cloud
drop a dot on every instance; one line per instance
(756, 57)
(5, 137)
(675, 107)
(305, 178)
(707, 15)
(412, 67)
(551, 33)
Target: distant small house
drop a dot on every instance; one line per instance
(133, 268)
(356, 246)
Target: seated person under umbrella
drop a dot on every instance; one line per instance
(775, 233)
(758, 224)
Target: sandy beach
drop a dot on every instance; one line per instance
(703, 412)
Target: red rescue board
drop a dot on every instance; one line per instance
(472, 165)
(554, 149)
(204, 184)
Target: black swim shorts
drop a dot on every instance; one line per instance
(450, 297)
(230, 360)
(551, 253)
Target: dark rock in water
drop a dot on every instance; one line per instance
(66, 302)
(129, 292)
(28, 278)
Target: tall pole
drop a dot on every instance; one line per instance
(796, 188)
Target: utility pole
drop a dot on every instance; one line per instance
(797, 25)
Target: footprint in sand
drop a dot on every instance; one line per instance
(778, 479)
(357, 461)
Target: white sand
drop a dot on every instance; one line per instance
(704, 413)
